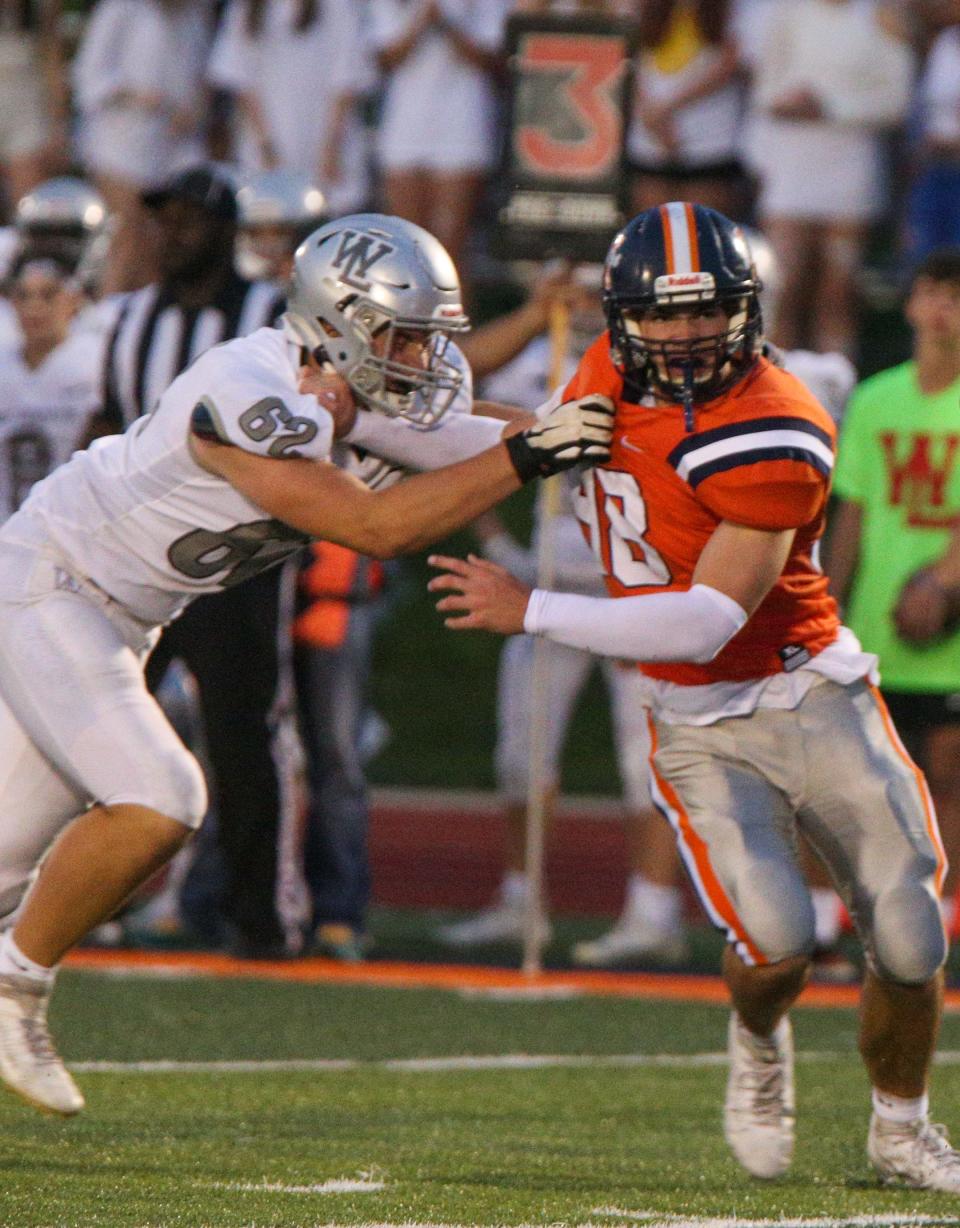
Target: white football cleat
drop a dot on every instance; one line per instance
(499, 923)
(29, 1064)
(633, 938)
(758, 1112)
(913, 1153)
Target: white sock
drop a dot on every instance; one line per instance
(899, 1108)
(660, 906)
(826, 916)
(13, 961)
(514, 888)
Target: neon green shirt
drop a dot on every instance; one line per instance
(899, 458)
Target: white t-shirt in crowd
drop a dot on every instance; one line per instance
(148, 47)
(439, 111)
(296, 76)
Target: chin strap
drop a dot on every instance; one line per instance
(689, 423)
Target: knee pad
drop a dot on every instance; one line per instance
(908, 943)
(174, 786)
(779, 919)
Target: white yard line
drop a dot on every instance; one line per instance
(335, 1186)
(428, 1065)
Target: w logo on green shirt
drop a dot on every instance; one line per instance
(919, 469)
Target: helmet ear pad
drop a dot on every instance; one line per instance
(641, 275)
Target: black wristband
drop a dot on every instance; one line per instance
(524, 458)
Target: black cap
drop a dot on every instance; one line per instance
(202, 185)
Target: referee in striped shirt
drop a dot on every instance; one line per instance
(229, 641)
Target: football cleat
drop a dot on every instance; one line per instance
(29, 1064)
(913, 1153)
(758, 1113)
(633, 938)
(499, 923)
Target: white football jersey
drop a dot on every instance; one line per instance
(139, 517)
(43, 413)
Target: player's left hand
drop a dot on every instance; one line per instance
(333, 393)
(483, 595)
(922, 608)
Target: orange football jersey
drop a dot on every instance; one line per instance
(761, 455)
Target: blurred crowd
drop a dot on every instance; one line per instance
(161, 159)
(820, 120)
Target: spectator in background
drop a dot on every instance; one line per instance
(51, 380)
(138, 81)
(333, 631)
(829, 80)
(898, 480)
(34, 95)
(933, 217)
(297, 71)
(683, 141)
(437, 135)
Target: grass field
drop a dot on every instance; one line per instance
(378, 1120)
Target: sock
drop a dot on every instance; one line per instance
(826, 916)
(514, 888)
(897, 1108)
(660, 906)
(13, 960)
(763, 1046)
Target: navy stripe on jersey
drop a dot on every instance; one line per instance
(722, 464)
(778, 423)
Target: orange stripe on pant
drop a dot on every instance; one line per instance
(933, 827)
(700, 852)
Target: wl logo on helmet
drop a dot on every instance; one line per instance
(672, 283)
(357, 255)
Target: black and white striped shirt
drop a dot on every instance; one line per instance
(154, 339)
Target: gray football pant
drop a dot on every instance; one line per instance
(737, 793)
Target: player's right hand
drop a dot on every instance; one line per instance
(577, 432)
(333, 393)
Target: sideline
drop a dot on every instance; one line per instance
(497, 982)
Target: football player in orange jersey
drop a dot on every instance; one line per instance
(764, 712)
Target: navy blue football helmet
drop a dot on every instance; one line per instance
(677, 259)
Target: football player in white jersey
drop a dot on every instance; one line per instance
(50, 385)
(227, 476)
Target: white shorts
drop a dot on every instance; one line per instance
(738, 791)
(800, 171)
(77, 724)
(569, 669)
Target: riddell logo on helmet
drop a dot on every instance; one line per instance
(670, 284)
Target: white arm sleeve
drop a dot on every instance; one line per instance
(456, 437)
(689, 626)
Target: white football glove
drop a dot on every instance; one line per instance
(575, 433)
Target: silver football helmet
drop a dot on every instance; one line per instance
(275, 211)
(62, 204)
(69, 218)
(362, 287)
(768, 269)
